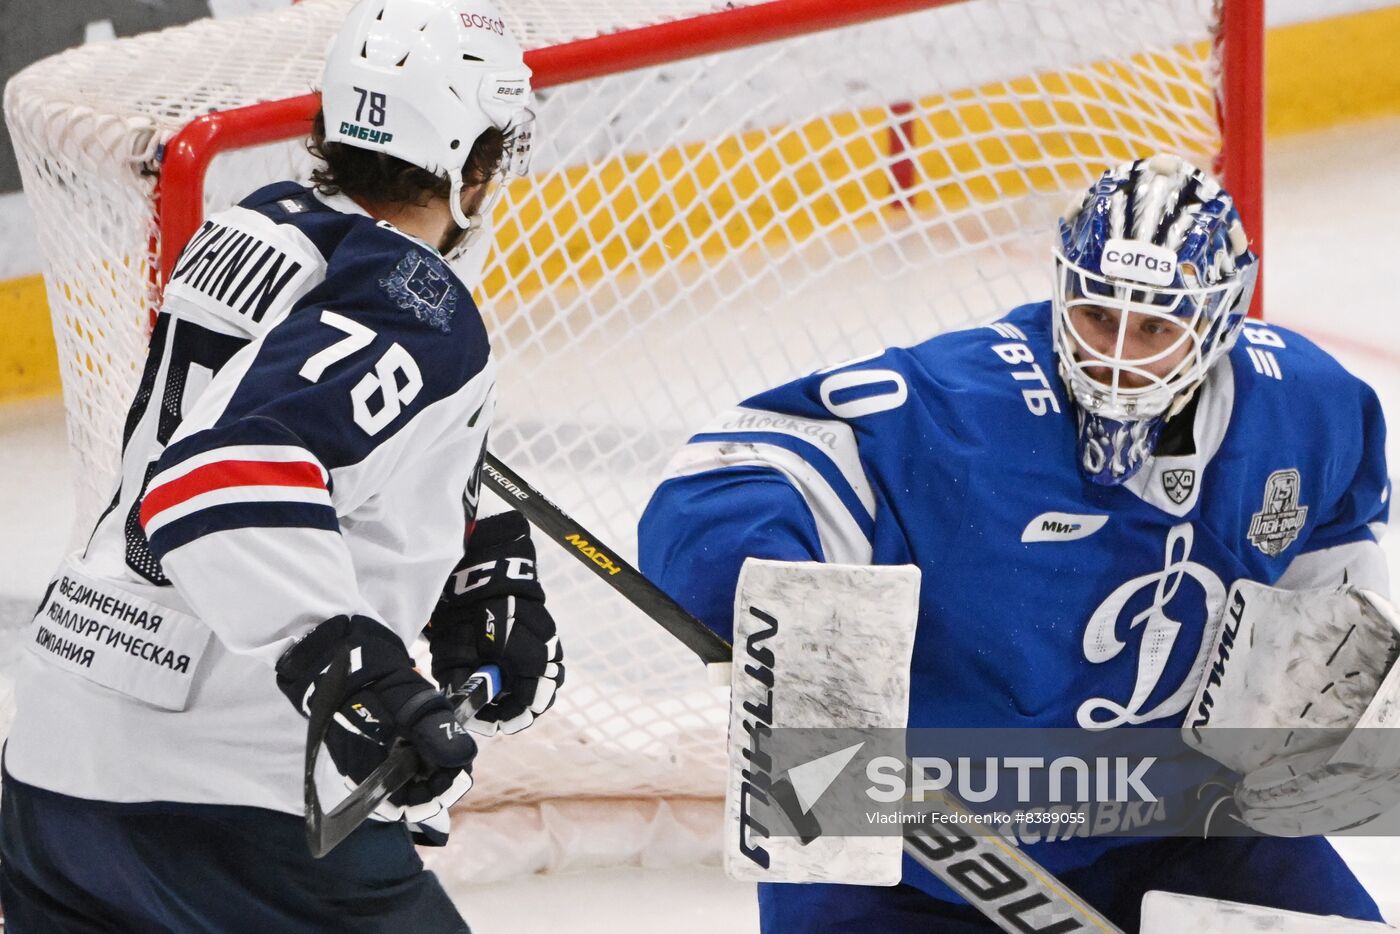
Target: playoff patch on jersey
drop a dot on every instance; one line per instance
(423, 285)
(1276, 526)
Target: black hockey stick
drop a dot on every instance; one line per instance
(607, 564)
(325, 831)
(996, 877)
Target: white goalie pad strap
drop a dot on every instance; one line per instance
(1310, 661)
(1169, 913)
(818, 646)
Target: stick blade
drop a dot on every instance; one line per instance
(322, 713)
(391, 775)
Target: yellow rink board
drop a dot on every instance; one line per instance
(28, 361)
(1318, 74)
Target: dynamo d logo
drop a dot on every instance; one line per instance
(1157, 631)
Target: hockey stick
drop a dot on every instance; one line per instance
(325, 831)
(609, 565)
(995, 877)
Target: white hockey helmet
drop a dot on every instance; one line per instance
(420, 80)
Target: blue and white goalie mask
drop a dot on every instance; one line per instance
(1153, 281)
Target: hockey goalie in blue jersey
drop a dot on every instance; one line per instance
(298, 484)
(1081, 483)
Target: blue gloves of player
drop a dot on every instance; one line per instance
(384, 698)
(492, 612)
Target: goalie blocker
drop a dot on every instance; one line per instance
(815, 646)
(828, 647)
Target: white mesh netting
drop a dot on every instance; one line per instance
(692, 233)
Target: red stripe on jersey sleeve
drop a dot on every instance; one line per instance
(223, 474)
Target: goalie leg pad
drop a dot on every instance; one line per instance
(1170, 913)
(815, 646)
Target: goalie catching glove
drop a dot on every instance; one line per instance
(1301, 695)
(492, 612)
(384, 699)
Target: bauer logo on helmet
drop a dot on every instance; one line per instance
(511, 91)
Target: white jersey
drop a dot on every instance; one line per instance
(313, 409)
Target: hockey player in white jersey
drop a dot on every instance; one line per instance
(1080, 484)
(296, 485)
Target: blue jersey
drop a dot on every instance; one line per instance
(1047, 600)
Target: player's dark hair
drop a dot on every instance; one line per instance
(376, 176)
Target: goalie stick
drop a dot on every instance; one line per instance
(996, 877)
(325, 831)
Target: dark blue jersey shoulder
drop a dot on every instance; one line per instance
(297, 206)
(389, 331)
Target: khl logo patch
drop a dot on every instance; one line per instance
(1178, 484)
(1276, 526)
(423, 285)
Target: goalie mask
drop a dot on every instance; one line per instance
(420, 80)
(1153, 281)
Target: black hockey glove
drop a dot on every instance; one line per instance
(492, 612)
(384, 698)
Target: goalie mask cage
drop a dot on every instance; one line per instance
(724, 196)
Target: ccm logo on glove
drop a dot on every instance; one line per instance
(466, 580)
(492, 612)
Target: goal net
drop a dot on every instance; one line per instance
(724, 196)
